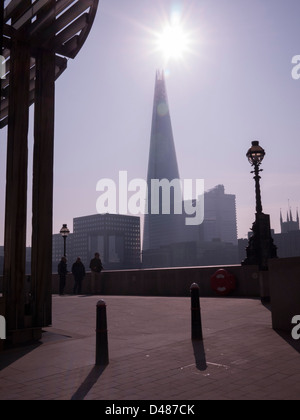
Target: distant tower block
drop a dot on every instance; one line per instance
(37, 39)
(161, 229)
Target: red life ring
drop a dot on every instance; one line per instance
(223, 282)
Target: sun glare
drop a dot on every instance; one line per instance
(173, 42)
(175, 39)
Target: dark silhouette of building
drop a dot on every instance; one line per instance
(287, 242)
(213, 242)
(168, 239)
(162, 229)
(290, 225)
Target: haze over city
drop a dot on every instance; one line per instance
(231, 84)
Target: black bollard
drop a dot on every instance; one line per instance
(102, 358)
(196, 313)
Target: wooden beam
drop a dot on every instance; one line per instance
(1, 48)
(3, 108)
(4, 122)
(72, 13)
(19, 10)
(46, 17)
(16, 187)
(69, 32)
(11, 9)
(61, 65)
(42, 199)
(1, 24)
(70, 48)
(31, 12)
(59, 26)
(50, 30)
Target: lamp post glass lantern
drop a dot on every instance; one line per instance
(64, 231)
(255, 156)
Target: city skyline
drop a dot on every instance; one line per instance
(234, 86)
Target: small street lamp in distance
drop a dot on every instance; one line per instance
(64, 231)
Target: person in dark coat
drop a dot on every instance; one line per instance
(78, 271)
(96, 268)
(62, 271)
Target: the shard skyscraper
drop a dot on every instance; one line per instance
(162, 229)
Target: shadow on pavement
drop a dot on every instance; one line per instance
(199, 354)
(267, 305)
(12, 354)
(88, 383)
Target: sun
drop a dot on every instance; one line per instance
(175, 39)
(173, 42)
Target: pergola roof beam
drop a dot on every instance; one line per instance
(71, 30)
(54, 27)
(11, 9)
(30, 14)
(46, 18)
(70, 47)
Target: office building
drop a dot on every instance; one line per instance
(220, 220)
(168, 240)
(162, 229)
(115, 237)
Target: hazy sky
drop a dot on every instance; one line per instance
(234, 86)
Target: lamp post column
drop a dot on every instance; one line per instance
(257, 178)
(261, 246)
(65, 246)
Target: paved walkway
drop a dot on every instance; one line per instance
(152, 356)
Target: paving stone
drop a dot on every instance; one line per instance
(152, 356)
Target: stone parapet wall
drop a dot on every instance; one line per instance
(165, 282)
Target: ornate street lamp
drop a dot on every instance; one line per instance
(64, 231)
(255, 156)
(261, 246)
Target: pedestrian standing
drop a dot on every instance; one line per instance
(96, 268)
(78, 271)
(62, 271)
